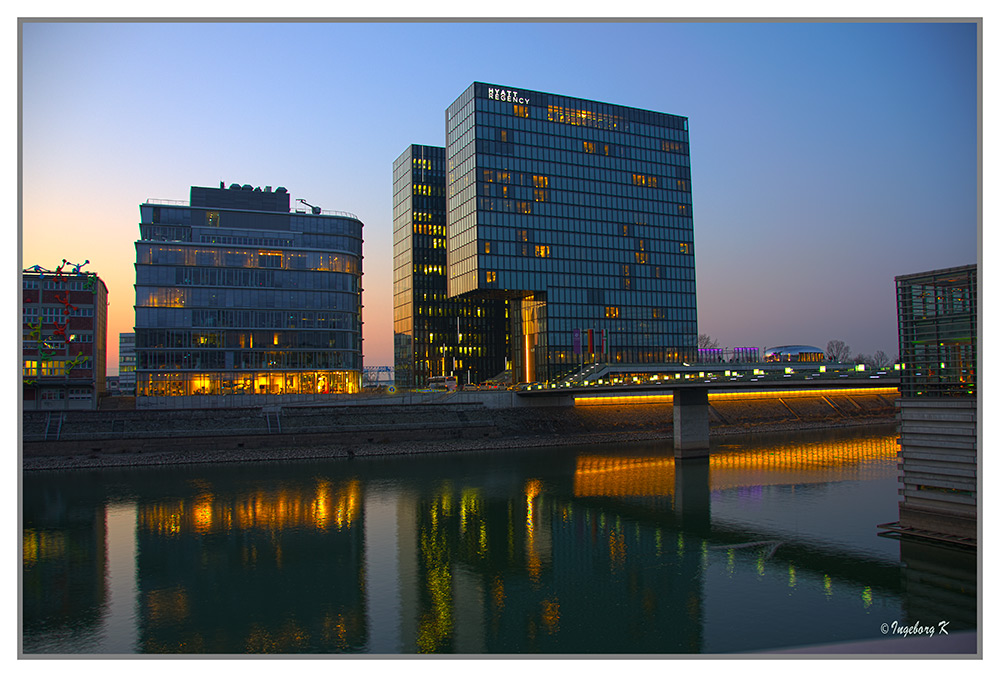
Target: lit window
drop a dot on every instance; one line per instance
(641, 257)
(611, 311)
(543, 250)
(503, 134)
(520, 111)
(588, 146)
(684, 248)
(486, 247)
(491, 276)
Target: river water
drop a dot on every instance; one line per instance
(610, 549)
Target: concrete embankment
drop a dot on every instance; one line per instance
(380, 427)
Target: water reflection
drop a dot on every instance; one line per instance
(571, 551)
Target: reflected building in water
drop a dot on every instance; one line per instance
(582, 553)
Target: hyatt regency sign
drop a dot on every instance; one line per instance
(506, 95)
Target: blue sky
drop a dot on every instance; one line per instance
(827, 158)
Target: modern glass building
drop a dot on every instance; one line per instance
(938, 313)
(435, 336)
(578, 213)
(937, 332)
(126, 363)
(238, 297)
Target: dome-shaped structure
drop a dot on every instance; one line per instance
(794, 354)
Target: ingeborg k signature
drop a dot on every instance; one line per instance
(916, 629)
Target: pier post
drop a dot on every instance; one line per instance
(690, 422)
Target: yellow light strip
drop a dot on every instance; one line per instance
(769, 394)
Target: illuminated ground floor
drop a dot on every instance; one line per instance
(167, 385)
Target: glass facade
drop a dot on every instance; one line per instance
(937, 314)
(435, 336)
(579, 213)
(236, 294)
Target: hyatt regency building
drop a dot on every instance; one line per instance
(578, 214)
(240, 300)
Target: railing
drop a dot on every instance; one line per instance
(719, 374)
(324, 212)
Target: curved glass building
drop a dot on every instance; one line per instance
(241, 300)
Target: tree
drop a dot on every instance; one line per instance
(706, 341)
(880, 360)
(838, 351)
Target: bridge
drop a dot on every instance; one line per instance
(690, 385)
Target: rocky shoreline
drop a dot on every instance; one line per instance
(410, 447)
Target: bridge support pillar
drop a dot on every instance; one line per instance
(690, 422)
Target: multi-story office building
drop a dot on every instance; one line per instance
(435, 336)
(239, 299)
(938, 405)
(579, 214)
(64, 327)
(126, 363)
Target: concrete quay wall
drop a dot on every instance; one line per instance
(398, 425)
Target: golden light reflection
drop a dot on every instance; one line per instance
(550, 615)
(531, 491)
(327, 506)
(591, 400)
(779, 464)
(43, 545)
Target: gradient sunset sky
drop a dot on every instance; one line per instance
(827, 158)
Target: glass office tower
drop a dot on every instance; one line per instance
(238, 296)
(435, 336)
(937, 313)
(579, 213)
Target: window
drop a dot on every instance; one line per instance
(543, 251)
(611, 311)
(491, 276)
(520, 111)
(212, 219)
(685, 249)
